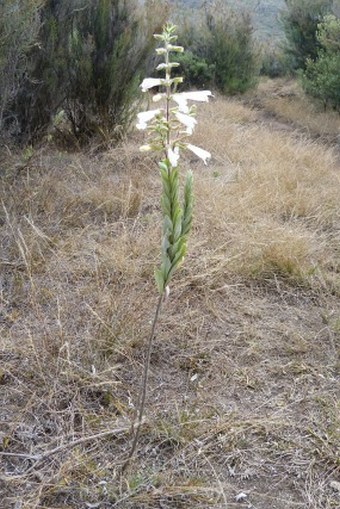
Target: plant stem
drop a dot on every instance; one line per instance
(143, 392)
(168, 97)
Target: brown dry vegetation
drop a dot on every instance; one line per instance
(244, 386)
(284, 100)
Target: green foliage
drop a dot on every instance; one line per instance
(221, 48)
(321, 78)
(328, 34)
(300, 20)
(88, 64)
(197, 71)
(273, 62)
(176, 222)
(19, 27)
(231, 50)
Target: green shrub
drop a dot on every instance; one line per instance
(19, 27)
(197, 71)
(273, 62)
(232, 50)
(300, 20)
(221, 50)
(88, 64)
(321, 78)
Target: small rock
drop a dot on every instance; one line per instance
(335, 485)
(241, 497)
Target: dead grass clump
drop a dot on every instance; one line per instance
(266, 250)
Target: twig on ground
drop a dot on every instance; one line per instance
(41, 457)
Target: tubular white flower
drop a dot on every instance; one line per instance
(164, 66)
(173, 156)
(199, 152)
(150, 83)
(187, 121)
(199, 95)
(177, 49)
(158, 97)
(182, 102)
(182, 98)
(144, 117)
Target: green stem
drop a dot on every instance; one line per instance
(168, 98)
(143, 392)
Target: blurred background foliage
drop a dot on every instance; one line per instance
(73, 67)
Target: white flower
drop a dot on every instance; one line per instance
(150, 83)
(177, 49)
(161, 51)
(173, 156)
(199, 152)
(164, 66)
(158, 97)
(144, 117)
(199, 95)
(182, 98)
(187, 121)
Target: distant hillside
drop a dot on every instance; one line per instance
(264, 14)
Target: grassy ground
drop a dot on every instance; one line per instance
(284, 100)
(244, 388)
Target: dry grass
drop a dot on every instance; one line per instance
(285, 100)
(245, 371)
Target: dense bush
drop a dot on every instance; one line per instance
(321, 78)
(221, 50)
(19, 27)
(197, 71)
(300, 20)
(87, 66)
(273, 62)
(231, 50)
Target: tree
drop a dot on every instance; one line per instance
(231, 50)
(87, 65)
(19, 27)
(300, 21)
(221, 50)
(321, 78)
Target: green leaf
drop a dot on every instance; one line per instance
(187, 204)
(159, 281)
(163, 166)
(179, 256)
(165, 204)
(176, 248)
(165, 244)
(177, 223)
(167, 226)
(166, 268)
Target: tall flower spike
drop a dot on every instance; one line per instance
(165, 125)
(169, 126)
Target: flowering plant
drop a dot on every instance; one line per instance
(169, 127)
